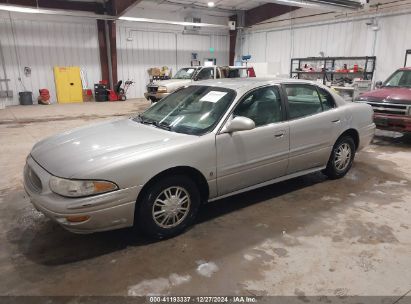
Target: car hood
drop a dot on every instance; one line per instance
(398, 95)
(172, 83)
(86, 149)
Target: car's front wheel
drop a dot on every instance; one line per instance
(341, 158)
(168, 207)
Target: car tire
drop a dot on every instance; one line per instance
(341, 159)
(169, 196)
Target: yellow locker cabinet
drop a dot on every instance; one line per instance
(68, 84)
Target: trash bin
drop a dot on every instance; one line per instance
(26, 98)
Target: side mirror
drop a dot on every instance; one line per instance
(378, 84)
(239, 123)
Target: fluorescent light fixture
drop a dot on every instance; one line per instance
(34, 10)
(29, 10)
(317, 4)
(159, 21)
(210, 4)
(19, 9)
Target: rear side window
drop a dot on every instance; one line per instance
(326, 99)
(303, 100)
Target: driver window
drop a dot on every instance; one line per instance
(263, 106)
(206, 73)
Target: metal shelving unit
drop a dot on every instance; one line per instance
(331, 69)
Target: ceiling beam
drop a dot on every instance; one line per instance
(120, 7)
(265, 12)
(94, 7)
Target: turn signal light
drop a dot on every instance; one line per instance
(77, 218)
(101, 187)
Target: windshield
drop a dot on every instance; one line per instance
(185, 73)
(192, 110)
(399, 79)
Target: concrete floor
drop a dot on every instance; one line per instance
(307, 236)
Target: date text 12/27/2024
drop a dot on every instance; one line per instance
(203, 299)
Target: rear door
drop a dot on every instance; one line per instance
(246, 158)
(315, 123)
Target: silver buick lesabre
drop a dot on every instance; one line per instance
(205, 141)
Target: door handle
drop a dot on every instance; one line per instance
(336, 121)
(279, 134)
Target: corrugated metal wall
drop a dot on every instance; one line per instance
(345, 38)
(43, 44)
(392, 41)
(162, 47)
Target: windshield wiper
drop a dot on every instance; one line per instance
(154, 123)
(162, 125)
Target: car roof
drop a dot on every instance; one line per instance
(244, 84)
(405, 69)
(237, 67)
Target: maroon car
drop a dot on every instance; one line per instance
(391, 102)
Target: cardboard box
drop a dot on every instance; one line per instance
(154, 72)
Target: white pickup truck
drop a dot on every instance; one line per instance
(159, 89)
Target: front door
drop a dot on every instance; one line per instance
(247, 158)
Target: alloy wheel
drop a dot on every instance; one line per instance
(171, 207)
(342, 156)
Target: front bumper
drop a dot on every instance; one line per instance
(391, 122)
(154, 97)
(106, 211)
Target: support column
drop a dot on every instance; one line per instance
(112, 33)
(233, 39)
(108, 51)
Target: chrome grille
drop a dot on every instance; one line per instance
(389, 108)
(32, 180)
(152, 89)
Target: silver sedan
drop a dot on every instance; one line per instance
(205, 141)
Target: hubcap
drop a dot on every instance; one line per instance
(171, 207)
(342, 156)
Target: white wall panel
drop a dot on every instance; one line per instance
(342, 38)
(279, 49)
(6, 40)
(43, 44)
(394, 37)
(162, 47)
(146, 50)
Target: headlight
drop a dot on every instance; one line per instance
(78, 188)
(361, 98)
(162, 89)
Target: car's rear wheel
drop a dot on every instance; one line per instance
(168, 207)
(341, 158)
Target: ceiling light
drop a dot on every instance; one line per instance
(210, 4)
(19, 9)
(159, 21)
(320, 4)
(60, 12)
